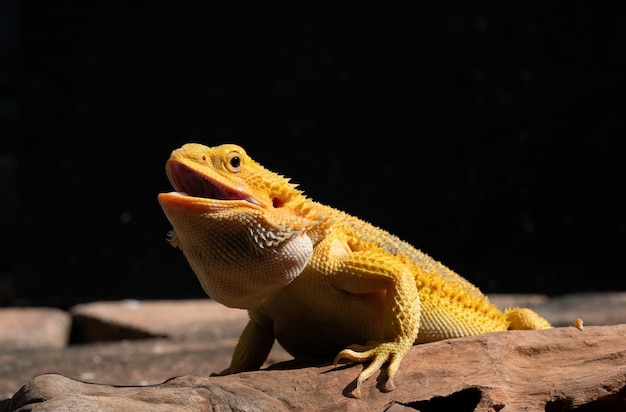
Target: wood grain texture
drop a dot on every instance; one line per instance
(553, 370)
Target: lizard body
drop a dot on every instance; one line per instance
(316, 279)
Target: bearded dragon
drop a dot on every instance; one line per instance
(319, 281)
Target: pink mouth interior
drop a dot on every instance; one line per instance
(194, 184)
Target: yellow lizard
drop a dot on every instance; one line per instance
(314, 278)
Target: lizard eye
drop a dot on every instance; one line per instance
(233, 162)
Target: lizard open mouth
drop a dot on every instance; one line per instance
(192, 183)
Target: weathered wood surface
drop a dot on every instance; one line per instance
(553, 370)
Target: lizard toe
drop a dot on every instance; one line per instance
(355, 353)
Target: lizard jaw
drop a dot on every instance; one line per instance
(187, 181)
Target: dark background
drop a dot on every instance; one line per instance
(490, 136)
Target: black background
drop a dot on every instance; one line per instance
(491, 135)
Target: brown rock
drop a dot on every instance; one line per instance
(133, 319)
(33, 328)
(553, 370)
(201, 336)
(596, 309)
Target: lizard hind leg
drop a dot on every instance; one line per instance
(525, 319)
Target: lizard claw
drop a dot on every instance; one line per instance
(378, 354)
(389, 385)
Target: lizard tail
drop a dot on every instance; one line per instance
(523, 318)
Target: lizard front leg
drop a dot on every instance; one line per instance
(366, 272)
(252, 349)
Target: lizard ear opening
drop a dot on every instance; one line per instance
(276, 202)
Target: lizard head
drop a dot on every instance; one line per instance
(234, 222)
(226, 173)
